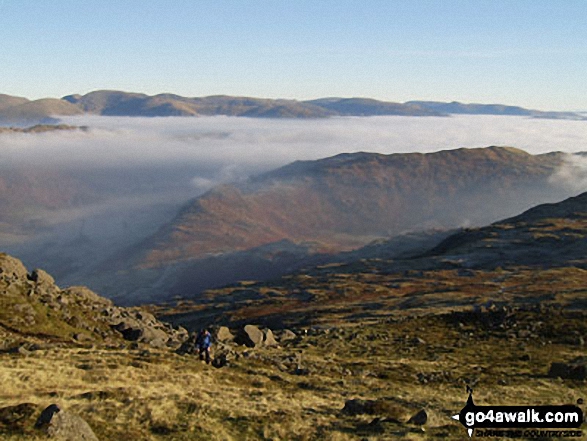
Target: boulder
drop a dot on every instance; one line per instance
(134, 329)
(130, 329)
(286, 335)
(269, 339)
(189, 345)
(223, 334)
(573, 370)
(42, 278)
(419, 419)
(250, 336)
(64, 426)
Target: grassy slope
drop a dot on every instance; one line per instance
(131, 394)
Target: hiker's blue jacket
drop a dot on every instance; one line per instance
(204, 341)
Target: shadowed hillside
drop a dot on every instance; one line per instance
(537, 258)
(348, 200)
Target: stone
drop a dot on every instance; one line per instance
(16, 417)
(419, 419)
(11, 268)
(64, 426)
(287, 335)
(574, 370)
(42, 278)
(129, 329)
(220, 361)
(189, 345)
(269, 339)
(250, 336)
(224, 335)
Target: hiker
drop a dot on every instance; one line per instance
(203, 342)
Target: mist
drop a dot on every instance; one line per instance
(190, 155)
(230, 147)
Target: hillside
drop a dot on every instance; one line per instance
(473, 109)
(27, 195)
(10, 101)
(375, 349)
(536, 258)
(371, 107)
(348, 200)
(133, 104)
(34, 310)
(37, 112)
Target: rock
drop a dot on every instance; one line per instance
(40, 277)
(224, 335)
(130, 329)
(574, 370)
(23, 351)
(64, 426)
(189, 346)
(250, 336)
(269, 339)
(355, 407)
(419, 419)
(133, 329)
(287, 335)
(81, 337)
(220, 361)
(417, 341)
(11, 268)
(16, 417)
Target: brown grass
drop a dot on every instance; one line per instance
(156, 395)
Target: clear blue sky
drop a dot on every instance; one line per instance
(531, 53)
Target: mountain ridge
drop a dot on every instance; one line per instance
(118, 103)
(303, 212)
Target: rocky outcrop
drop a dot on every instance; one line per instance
(141, 326)
(64, 425)
(269, 338)
(17, 418)
(253, 337)
(32, 305)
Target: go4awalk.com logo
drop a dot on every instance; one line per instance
(521, 421)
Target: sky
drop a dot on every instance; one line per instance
(531, 53)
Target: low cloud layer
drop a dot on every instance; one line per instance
(232, 146)
(144, 169)
(188, 156)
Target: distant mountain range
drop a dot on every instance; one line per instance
(21, 111)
